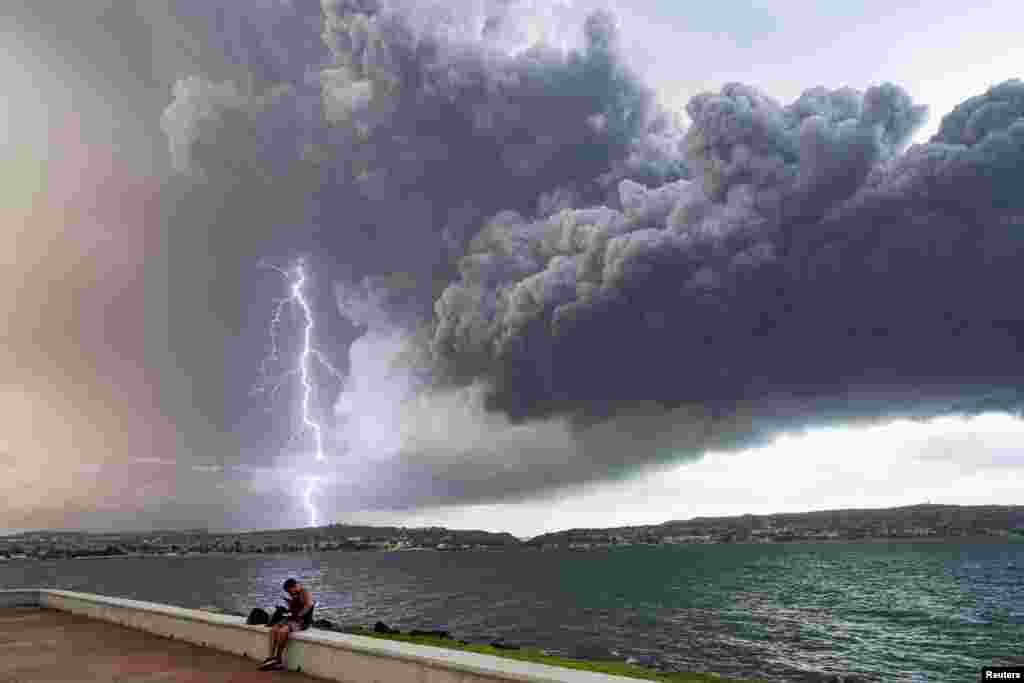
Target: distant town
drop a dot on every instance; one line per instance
(916, 522)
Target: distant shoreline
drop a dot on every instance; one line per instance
(873, 539)
(1008, 540)
(909, 524)
(803, 541)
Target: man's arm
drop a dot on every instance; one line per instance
(307, 604)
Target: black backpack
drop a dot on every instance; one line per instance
(258, 617)
(280, 614)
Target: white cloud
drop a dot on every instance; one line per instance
(965, 461)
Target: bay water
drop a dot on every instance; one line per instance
(914, 611)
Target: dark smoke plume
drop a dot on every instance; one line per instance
(609, 294)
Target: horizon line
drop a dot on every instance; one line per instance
(8, 533)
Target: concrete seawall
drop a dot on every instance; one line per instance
(323, 654)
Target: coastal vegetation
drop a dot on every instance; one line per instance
(538, 656)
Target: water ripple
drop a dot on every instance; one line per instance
(792, 612)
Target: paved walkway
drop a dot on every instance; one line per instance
(49, 646)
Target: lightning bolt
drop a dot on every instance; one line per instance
(297, 278)
(314, 518)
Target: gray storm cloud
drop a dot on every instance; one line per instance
(811, 272)
(405, 439)
(676, 256)
(437, 113)
(601, 292)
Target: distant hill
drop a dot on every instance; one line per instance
(416, 535)
(301, 536)
(911, 520)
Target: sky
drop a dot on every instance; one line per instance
(562, 264)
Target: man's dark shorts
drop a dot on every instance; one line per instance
(294, 626)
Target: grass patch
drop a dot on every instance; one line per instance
(532, 654)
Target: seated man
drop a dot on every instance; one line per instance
(300, 617)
